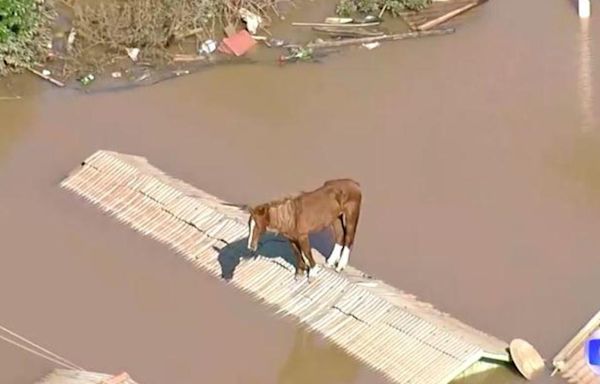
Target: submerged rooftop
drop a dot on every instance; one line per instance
(407, 340)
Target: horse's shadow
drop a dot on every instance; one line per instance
(270, 246)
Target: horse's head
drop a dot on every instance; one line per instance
(257, 224)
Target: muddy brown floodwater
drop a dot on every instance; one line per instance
(478, 152)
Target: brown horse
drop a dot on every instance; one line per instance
(335, 204)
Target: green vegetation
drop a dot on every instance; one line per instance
(25, 33)
(373, 7)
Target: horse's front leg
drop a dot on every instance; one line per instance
(307, 251)
(300, 264)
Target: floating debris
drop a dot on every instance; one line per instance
(527, 360)
(187, 58)
(253, 21)
(238, 44)
(447, 16)
(70, 39)
(133, 53)
(272, 42)
(46, 72)
(208, 47)
(399, 36)
(372, 45)
(369, 19)
(116, 75)
(46, 77)
(144, 76)
(87, 79)
(338, 20)
(347, 32)
(437, 13)
(343, 25)
(296, 54)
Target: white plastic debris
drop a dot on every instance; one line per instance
(133, 53)
(209, 46)
(116, 75)
(252, 20)
(46, 72)
(70, 39)
(371, 45)
(338, 20)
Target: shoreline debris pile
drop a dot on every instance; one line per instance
(135, 42)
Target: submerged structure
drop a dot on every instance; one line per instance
(407, 340)
(71, 376)
(571, 362)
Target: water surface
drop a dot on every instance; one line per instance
(477, 153)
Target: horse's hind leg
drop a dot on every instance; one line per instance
(340, 233)
(351, 223)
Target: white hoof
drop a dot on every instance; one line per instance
(335, 255)
(343, 260)
(251, 227)
(314, 272)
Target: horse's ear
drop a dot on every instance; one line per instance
(260, 210)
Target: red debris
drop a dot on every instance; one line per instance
(237, 44)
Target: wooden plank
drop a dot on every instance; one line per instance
(445, 17)
(363, 40)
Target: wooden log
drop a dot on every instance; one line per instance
(362, 40)
(345, 32)
(336, 25)
(445, 17)
(187, 58)
(48, 78)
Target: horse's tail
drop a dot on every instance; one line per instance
(243, 207)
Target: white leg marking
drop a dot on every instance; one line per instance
(314, 271)
(251, 232)
(344, 259)
(305, 260)
(335, 255)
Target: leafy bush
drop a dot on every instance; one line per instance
(373, 7)
(24, 32)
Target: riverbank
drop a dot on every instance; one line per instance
(99, 48)
(25, 33)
